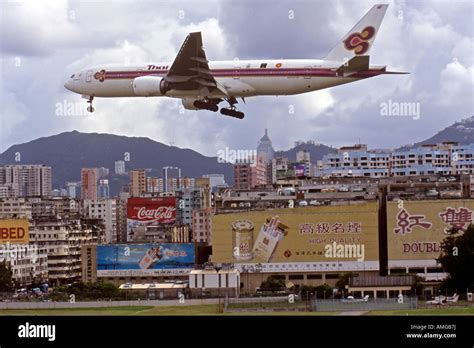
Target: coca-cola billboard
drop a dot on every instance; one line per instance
(147, 210)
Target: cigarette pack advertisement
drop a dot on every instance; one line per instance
(270, 234)
(295, 235)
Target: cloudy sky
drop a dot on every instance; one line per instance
(43, 42)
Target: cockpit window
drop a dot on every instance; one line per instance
(72, 76)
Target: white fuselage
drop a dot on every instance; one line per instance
(241, 78)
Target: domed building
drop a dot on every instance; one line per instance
(265, 149)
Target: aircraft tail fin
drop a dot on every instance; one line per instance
(358, 41)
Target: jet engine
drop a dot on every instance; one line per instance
(150, 86)
(188, 103)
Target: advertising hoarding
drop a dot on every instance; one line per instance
(304, 234)
(143, 212)
(14, 231)
(416, 228)
(144, 258)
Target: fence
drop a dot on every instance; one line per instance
(99, 304)
(344, 305)
(266, 304)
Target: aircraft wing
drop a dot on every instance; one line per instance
(190, 67)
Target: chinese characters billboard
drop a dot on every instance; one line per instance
(416, 228)
(143, 212)
(295, 235)
(144, 257)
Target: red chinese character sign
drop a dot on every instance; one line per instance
(406, 222)
(458, 219)
(416, 229)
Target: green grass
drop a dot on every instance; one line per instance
(428, 311)
(149, 310)
(214, 310)
(273, 304)
(77, 311)
(291, 314)
(182, 310)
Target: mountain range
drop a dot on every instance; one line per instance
(68, 152)
(461, 132)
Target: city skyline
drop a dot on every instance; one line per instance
(267, 134)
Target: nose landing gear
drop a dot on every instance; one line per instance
(90, 108)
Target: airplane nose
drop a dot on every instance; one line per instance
(68, 85)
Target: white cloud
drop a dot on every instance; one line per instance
(12, 113)
(32, 27)
(457, 83)
(315, 103)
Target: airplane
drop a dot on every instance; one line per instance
(203, 84)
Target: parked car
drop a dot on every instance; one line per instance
(451, 194)
(314, 202)
(303, 203)
(432, 193)
(442, 179)
(343, 189)
(245, 205)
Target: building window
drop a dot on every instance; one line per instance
(296, 277)
(332, 276)
(314, 276)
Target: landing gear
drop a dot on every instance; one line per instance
(231, 110)
(206, 105)
(212, 105)
(232, 113)
(90, 108)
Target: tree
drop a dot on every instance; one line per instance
(344, 280)
(323, 291)
(6, 281)
(320, 291)
(457, 259)
(272, 283)
(87, 291)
